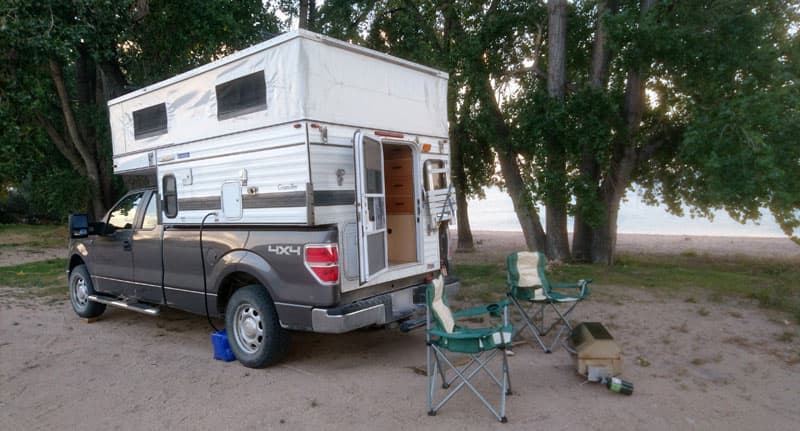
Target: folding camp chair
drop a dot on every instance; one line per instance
(481, 344)
(528, 283)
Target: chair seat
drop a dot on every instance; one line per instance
(473, 340)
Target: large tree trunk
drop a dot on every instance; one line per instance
(557, 244)
(520, 194)
(624, 159)
(87, 153)
(589, 169)
(457, 171)
(303, 22)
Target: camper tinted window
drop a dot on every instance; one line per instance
(150, 121)
(241, 96)
(170, 190)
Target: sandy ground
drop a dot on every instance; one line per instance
(722, 368)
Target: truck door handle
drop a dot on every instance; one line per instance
(126, 245)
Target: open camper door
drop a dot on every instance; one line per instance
(371, 204)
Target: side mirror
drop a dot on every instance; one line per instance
(78, 225)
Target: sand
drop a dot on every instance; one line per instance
(695, 365)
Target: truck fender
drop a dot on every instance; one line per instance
(247, 262)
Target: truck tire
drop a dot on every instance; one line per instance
(80, 287)
(254, 333)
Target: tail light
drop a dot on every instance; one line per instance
(323, 262)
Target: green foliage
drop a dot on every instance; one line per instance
(94, 41)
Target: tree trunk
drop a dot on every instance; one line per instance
(465, 241)
(582, 231)
(458, 173)
(624, 159)
(518, 192)
(303, 15)
(557, 244)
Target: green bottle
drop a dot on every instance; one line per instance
(618, 385)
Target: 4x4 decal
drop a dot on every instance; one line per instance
(285, 250)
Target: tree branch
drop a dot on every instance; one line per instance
(68, 153)
(86, 153)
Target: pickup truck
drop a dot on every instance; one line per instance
(263, 280)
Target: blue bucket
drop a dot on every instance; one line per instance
(222, 350)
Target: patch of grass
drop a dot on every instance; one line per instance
(642, 361)
(785, 336)
(45, 278)
(698, 361)
(684, 328)
(691, 300)
(483, 283)
(772, 284)
(703, 312)
(23, 235)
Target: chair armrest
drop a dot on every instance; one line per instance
(483, 309)
(583, 285)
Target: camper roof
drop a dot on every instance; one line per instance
(275, 41)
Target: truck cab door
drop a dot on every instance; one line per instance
(370, 206)
(147, 264)
(113, 249)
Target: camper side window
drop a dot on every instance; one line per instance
(241, 96)
(170, 190)
(435, 177)
(150, 121)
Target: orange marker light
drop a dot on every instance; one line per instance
(426, 148)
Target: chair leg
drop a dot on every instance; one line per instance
(465, 380)
(528, 321)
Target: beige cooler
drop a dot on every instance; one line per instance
(594, 346)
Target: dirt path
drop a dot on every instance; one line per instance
(10, 256)
(722, 370)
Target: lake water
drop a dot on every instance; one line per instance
(496, 212)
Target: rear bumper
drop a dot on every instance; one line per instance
(378, 310)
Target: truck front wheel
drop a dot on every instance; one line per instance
(254, 333)
(80, 287)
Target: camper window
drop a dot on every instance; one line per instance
(435, 177)
(241, 96)
(170, 189)
(151, 121)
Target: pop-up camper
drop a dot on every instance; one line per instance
(299, 144)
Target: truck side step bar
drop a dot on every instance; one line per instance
(132, 306)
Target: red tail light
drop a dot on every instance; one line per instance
(323, 262)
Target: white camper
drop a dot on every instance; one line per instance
(298, 132)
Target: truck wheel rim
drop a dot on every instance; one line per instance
(248, 328)
(80, 292)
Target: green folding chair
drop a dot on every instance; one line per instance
(443, 336)
(527, 283)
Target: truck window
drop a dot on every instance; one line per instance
(150, 121)
(241, 96)
(150, 219)
(170, 190)
(123, 215)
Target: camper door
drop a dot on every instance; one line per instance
(371, 206)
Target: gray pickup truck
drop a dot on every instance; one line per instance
(264, 280)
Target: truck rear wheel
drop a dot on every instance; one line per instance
(80, 287)
(254, 333)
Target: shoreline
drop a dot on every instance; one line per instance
(501, 243)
